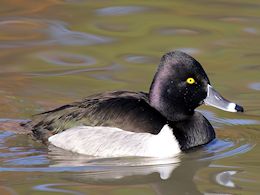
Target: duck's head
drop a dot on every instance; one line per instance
(180, 85)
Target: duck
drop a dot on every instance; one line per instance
(160, 123)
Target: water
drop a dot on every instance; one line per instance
(54, 52)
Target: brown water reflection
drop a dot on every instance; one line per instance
(26, 32)
(54, 52)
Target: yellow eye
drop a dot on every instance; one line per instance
(190, 80)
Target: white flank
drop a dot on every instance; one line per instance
(114, 142)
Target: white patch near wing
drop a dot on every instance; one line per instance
(114, 142)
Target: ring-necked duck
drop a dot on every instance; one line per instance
(160, 123)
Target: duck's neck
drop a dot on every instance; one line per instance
(192, 132)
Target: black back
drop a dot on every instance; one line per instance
(130, 111)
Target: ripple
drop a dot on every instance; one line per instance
(9, 29)
(190, 51)
(4, 135)
(66, 59)
(224, 151)
(22, 32)
(235, 19)
(251, 30)
(5, 154)
(255, 86)
(180, 31)
(13, 120)
(120, 10)
(52, 73)
(240, 19)
(255, 67)
(225, 178)
(28, 161)
(139, 59)
(52, 188)
(227, 121)
(219, 145)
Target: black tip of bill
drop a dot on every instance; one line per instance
(239, 108)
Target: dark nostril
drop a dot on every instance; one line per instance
(239, 108)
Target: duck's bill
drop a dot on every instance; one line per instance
(216, 100)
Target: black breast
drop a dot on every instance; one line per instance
(129, 111)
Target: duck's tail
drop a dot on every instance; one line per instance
(14, 125)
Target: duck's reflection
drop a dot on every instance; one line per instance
(180, 175)
(112, 169)
(168, 176)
